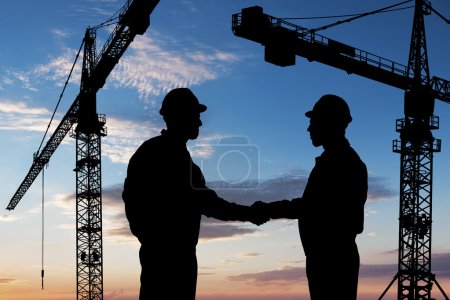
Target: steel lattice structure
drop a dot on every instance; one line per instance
(414, 256)
(90, 127)
(283, 41)
(416, 147)
(89, 216)
(88, 133)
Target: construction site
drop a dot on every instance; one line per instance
(86, 91)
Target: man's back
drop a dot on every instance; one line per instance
(157, 194)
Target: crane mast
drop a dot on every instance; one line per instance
(282, 41)
(134, 19)
(416, 147)
(89, 130)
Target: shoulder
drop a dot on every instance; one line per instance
(348, 157)
(149, 146)
(356, 161)
(151, 143)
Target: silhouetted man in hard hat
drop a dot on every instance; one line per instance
(165, 196)
(330, 212)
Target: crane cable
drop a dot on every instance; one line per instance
(59, 100)
(342, 16)
(360, 16)
(439, 15)
(108, 22)
(353, 16)
(111, 20)
(42, 233)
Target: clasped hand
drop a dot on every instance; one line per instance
(259, 213)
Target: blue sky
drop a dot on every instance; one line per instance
(190, 43)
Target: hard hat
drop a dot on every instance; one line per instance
(181, 101)
(331, 108)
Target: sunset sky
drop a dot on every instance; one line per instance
(254, 108)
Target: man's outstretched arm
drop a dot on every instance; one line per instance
(282, 209)
(221, 209)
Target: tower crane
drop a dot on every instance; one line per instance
(283, 41)
(87, 127)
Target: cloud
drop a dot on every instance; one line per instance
(6, 280)
(124, 136)
(250, 254)
(370, 271)
(379, 189)
(8, 218)
(60, 33)
(115, 294)
(283, 187)
(115, 221)
(20, 116)
(117, 224)
(213, 229)
(258, 296)
(56, 70)
(203, 147)
(154, 66)
(280, 277)
(441, 265)
(291, 275)
(150, 66)
(94, 9)
(287, 186)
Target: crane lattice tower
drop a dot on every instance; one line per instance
(282, 41)
(87, 127)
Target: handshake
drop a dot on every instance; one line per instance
(259, 213)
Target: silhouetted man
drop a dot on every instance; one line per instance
(330, 212)
(165, 196)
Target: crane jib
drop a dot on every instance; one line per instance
(134, 20)
(283, 41)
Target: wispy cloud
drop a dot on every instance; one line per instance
(288, 275)
(154, 66)
(115, 294)
(288, 186)
(59, 33)
(379, 189)
(20, 116)
(189, 5)
(151, 66)
(213, 229)
(117, 225)
(8, 218)
(124, 136)
(284, 276)
(6, 280)
(95, 8)
(56, 70)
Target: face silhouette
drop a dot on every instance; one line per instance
(185, 124)
(319, 130)
(193, 124)
(314, 132)
(325, 131)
